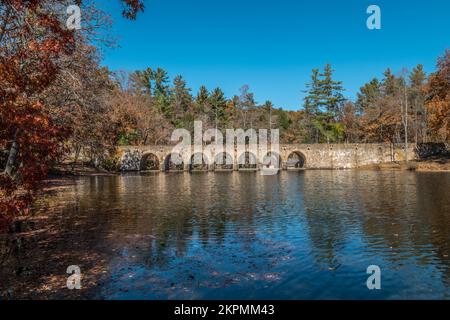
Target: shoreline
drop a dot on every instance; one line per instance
(78, 170)
(430, 165)
(442, 164)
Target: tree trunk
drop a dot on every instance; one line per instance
(392, 152)
(406, 125)
(146, 137)
(77, 154)
(12, 157)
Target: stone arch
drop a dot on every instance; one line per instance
(296, 160)
(226, 163)
(173, 162)
(271, 159)
(195, 164)
(149, 162)
(130, 160)
(247, 160)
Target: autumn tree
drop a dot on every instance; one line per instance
(437, 92)
(33, 39)
(380, 105)
(350, 120)
(135, 120)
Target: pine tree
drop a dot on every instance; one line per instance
(322, 105)
(161, 92)
(142, 81)
(202, 96)
(218, 105)
(390, 84)
(161, 80)
(417, 77)
(369, 96)
(268, 107)
(312, 99)
(181, 100)
(330, 92)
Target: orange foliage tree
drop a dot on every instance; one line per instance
(438, 100)
(32, 39)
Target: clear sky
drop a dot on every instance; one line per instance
(273, 45)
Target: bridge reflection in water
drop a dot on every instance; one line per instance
(298, 235)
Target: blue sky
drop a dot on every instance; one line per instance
(273, 45)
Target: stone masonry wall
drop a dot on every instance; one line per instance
(317, 156)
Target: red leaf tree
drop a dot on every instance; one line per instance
(32, 39)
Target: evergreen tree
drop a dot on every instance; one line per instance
(417, 77)
(390, 84)
(161, 79)
(161, 92)
(330, 92)
(181, 103)
(369, 96)
(181, 95)
(268, 107)
(141, 81)
(322, 105)
(312, 99)
(218, 106)
(283, 119)
(202, 96)
(202, 107)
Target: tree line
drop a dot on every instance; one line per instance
(410, 106)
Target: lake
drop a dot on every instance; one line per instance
(297, 235)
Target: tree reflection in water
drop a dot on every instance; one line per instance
(308, 234)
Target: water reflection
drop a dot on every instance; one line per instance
(242, 235)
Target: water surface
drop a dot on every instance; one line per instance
(298, 235)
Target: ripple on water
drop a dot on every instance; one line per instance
(298, 235)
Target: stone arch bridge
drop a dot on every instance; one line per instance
(290, 156)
